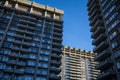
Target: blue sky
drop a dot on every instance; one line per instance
(76, 32)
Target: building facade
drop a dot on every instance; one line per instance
(78, 64)
(104, 16)
(30, 41)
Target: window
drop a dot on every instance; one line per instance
(111, 18)
(37, 34)
(41, 71)
(113, 25)
(14, 23)
(11, 33)
(10, 39)
(19, 77)
(1, 32)
(117, 54)
(110, 11)
(29, 70)
(116, 43)
(39, 24)
(41, 78)
(47, 35)
(53, 74)
(34, 50)
(7, 45)
(118, 65)
(46, 41)
(1, 37)
(36, 39)
(43, 58)
(46, 46)
(2, 66)
(32, 63)
(32, 56)
(44, 65)
(5, 51)
(35, 44)
(115, 33)
(46, 52)
(2, 26)
(3, 58)
(28, 77)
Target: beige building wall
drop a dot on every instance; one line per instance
(78, 64)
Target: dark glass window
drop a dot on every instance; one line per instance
(7, 45)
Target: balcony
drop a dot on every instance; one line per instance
(99, 39)
(102, 55)
(98, 31)
(25, 49)
(105, 64)
(27, 43)
(25, 26)
(56, 33)
(54, 55)
(58, 30)
(13, 62)
(24, 31)
(13, 54)
(96, 11)
(102, 45)
(23, 56)
(58, 39)
(56, 49)
(55, 62)
(93, 20)
(27, 17)
(57, 44)
(55, 69)
(18, 41)
(29, 22)
(8, 70)
(54, 77)
(106, 75)
(25, 37)
(93, 7)
(19, 71)
(20, 63)
(98, 23)
(90, 3)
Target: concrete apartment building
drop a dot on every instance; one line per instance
(30, 41)
(104, 16)
(78, 64)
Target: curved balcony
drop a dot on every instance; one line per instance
(102, 45)
(106, 75)
(105, 64)
(98, 31)
(94, 19)
(97, 23)
(57, 56)
(102, 55)
(99, 39)
(96, 11)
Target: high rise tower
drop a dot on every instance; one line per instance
(30, 41)
(104, 16)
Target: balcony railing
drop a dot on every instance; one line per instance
(102, 45)
(55, 62)
(56, 55)
(102, 55)
(105, 64)
(106, 75)
(99, 39)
